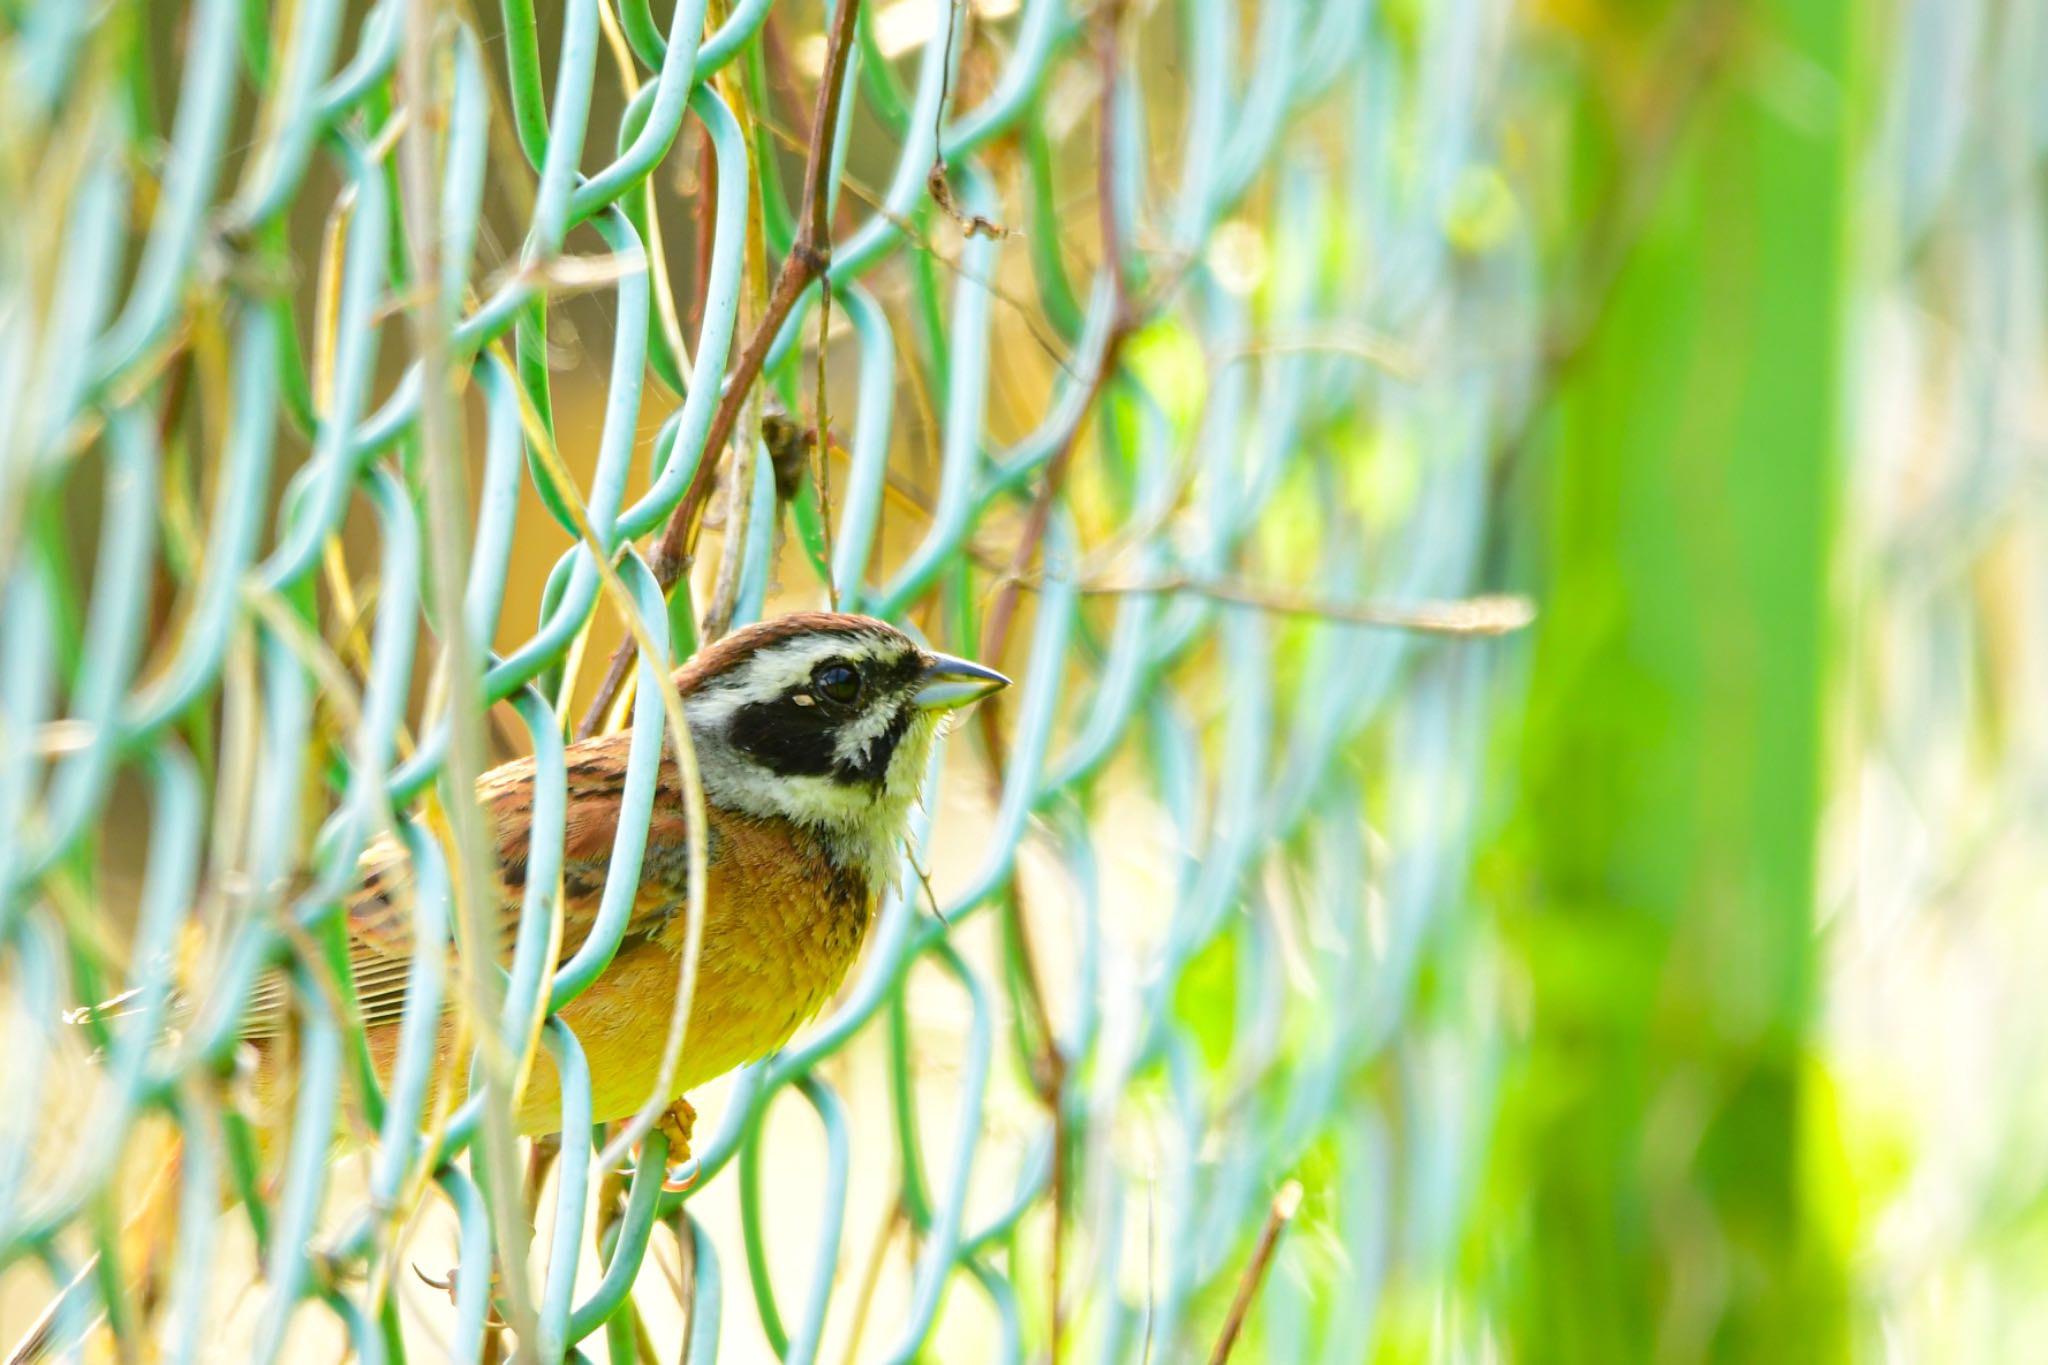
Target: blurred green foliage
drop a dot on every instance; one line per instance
(1655, 1160)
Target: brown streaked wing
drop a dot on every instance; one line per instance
(380, 910)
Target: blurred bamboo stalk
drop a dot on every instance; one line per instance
(1661, 1135)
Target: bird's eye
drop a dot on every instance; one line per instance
(837, 683)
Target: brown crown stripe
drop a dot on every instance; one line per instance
(721, 655)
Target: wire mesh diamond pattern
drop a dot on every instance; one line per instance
(1166, 328)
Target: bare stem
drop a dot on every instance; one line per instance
(1497, 614)
(821, 444)
(810, 256)
(936, 182)
(1278, 1216)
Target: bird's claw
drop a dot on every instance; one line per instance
(677, 1124)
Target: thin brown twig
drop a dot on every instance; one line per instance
(917, 238)
(1491, 614)
(925, 879)
(810, 256)
(540, 1159)
(1276, 1218)
(1285, 1205)
(707, 216)
(1391, 356)
(782, 69)
(685, 1281)
(871, 1277)
(822, 441)
(936, 182)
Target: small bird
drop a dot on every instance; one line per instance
(812, 733)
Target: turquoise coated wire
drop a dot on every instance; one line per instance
(1257, 777)
(385, 693)
(25, 691)
(942, 1246)
(87, 280)
(280, 159)
(664, 120)
(419, 1023)
(305, 1172)
(721, 314)
(636, 803)
(615, 443)
(497, 512)
(963, 424)
(199, 1203)
(205, 102)
(38, 977)
(334, 464)
(643, 1201)
(801, 1345)
(860, 503)
(702, 1344)
(1032, 1180)
(462, 183)
(472, 1292)
(548, 823)
(167, 889)
(564, 1247)
(383, 28)
(567, 120)
(236, 522)
(50, 37)
(114, 631)
(1003, 1299)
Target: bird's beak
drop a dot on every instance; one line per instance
(949, 683)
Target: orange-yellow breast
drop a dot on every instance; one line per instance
(781, 928)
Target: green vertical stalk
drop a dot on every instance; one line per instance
(1660, 1127)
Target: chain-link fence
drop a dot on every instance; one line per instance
(1163, 350)
(1935, 863)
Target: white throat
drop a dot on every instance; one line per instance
(861, 825)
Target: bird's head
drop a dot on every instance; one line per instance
(827, 720)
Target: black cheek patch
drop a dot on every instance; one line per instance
(792, 740)
(874, 765)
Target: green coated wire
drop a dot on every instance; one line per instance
(1238, 789)
(643, 1199)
